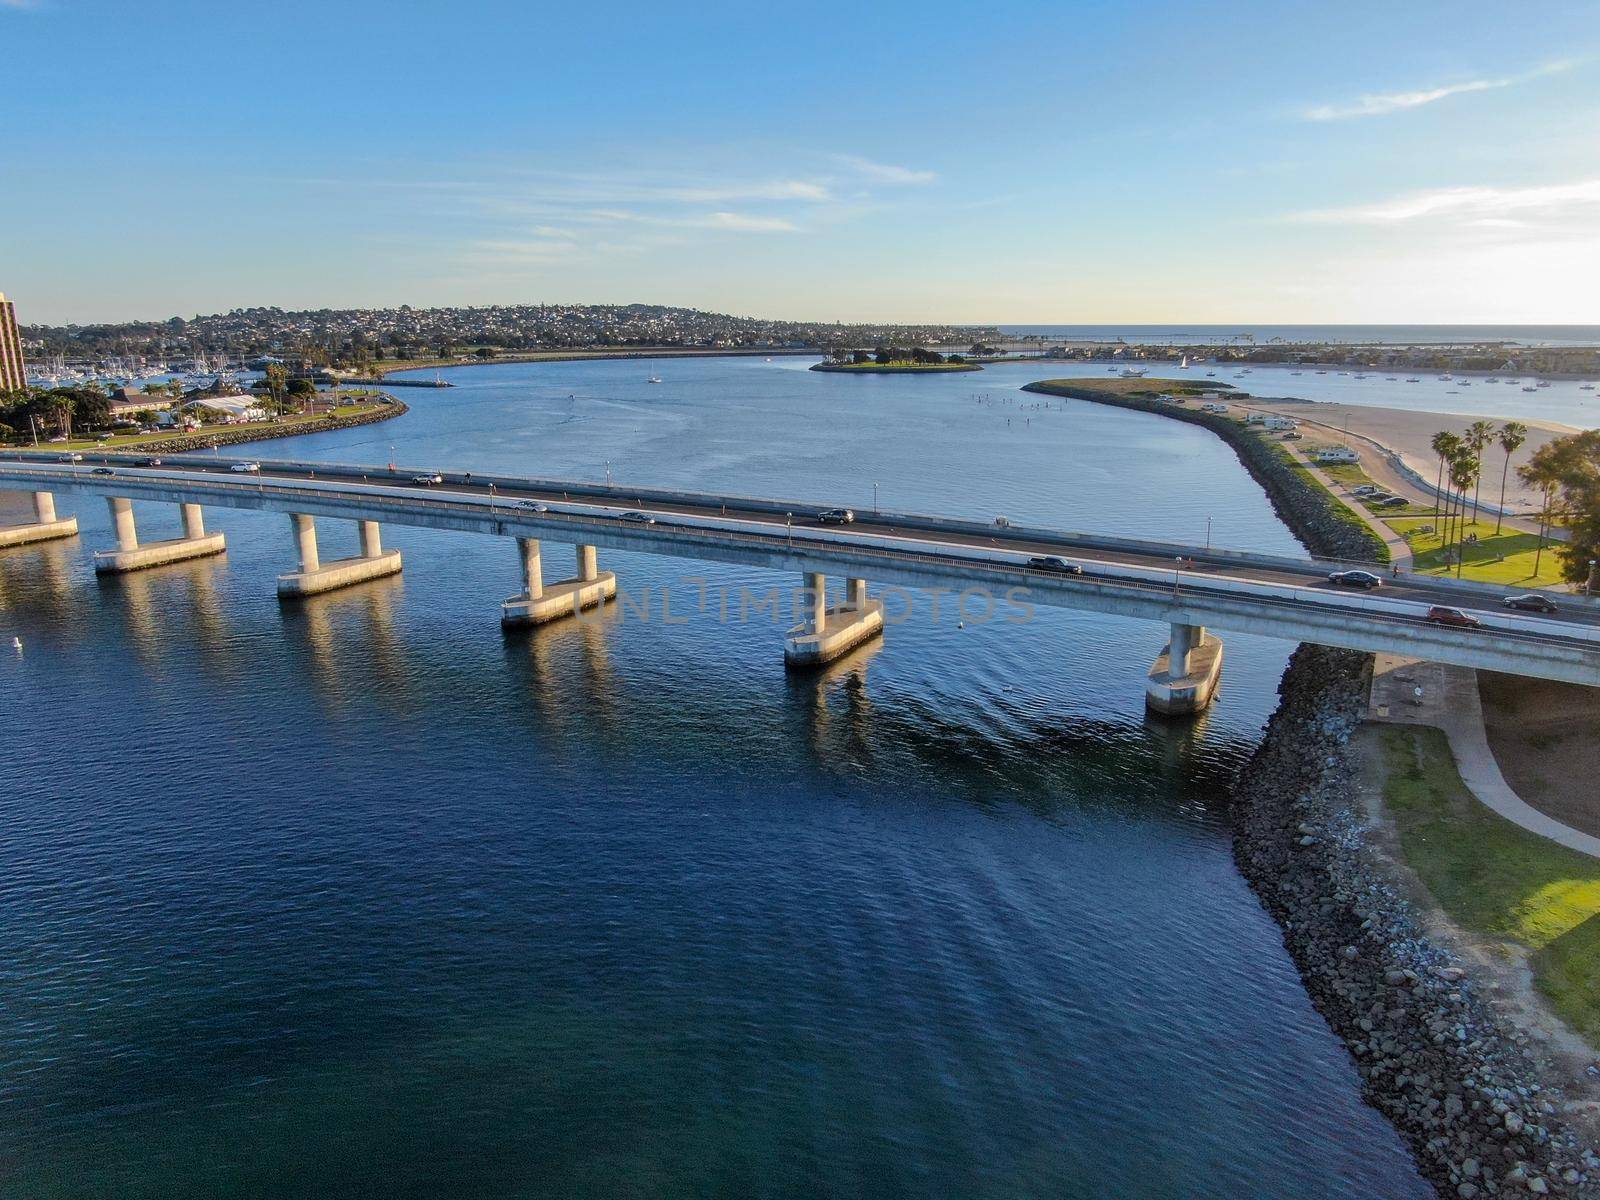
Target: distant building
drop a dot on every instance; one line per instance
(13, 374)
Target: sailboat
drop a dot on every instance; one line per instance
(1184, 365)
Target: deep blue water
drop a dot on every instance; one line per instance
(365, 897)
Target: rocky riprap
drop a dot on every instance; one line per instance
(1457, 1081)
(1300, 503)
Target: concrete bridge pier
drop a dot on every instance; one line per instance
(826, 633)
(539, 602)
(315, 576)
(1183, 679)
(45, 527)
(130, 555)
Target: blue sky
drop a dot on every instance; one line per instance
(1010, 162)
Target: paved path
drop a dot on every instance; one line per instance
(1399, 548)
(1449, 702)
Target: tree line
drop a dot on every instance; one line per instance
(1565, 472)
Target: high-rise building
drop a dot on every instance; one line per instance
(13, 376)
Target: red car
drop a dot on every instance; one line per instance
(1440, 614)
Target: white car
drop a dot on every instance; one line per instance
(533, 506)
(246, 468)
(428, 479)
(73, 457)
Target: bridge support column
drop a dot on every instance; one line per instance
(537, 603)
(1184, 677)
(131, 556)
(827, 633)
(315, 576)
(44, 527)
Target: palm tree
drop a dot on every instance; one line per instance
(1463, 470)
(1444, 444)
(1479, 434)
(1512, 435)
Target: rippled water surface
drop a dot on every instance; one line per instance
(364, 897)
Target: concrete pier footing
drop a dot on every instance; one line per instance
(829, 633)
(340, 573)
(131, 555)
(557, 600)
(539, 602)
(316, 576)
(45, 527)
(1183, 679)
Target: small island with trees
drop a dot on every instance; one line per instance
(896, 360)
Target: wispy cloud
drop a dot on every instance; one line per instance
(1383, 103)
(18, 4)
(878, 172)
(1481, 206)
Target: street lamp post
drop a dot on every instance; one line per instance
(874, 499)
(1208, 533)
(788, 524)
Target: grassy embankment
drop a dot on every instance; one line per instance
(1495, 879)
(137, 441)
(894, 368)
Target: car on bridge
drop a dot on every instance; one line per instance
(836, 516)
(1443, 614)
(532, 506)
(1365, 580)
(1531, 602)
(428, 478)
(74, 457)
(1049, 562)
(246, 468)
(637, 518)
(149, 462)
(102, 471)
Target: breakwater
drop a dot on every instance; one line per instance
(1453, 1077)
(1304, 506)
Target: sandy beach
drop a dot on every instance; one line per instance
(1408, 433)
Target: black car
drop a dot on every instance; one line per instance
(836, 516)
(149, 462)
(1365, 580)
(638, 518)
(102, 471)
(1049, 562)
(1532, 602)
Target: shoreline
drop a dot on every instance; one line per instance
(1454, 1076)
(1309, 511)
(542, 356)
(894, 368)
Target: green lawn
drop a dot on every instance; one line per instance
(1494, 878)
(1506, 558)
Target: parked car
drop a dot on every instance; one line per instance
(1366, 489)
(1441, 614)
(1049, 562)
(102, 471)
(246, 468)
(836, 516)
(533, 506)
(1365, 580)
(149, 462)
(1392, 502)
(1292, 436)
(1531, 602)
(638, 518)
(428, 478)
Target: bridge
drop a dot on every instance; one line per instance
(1194, 590)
